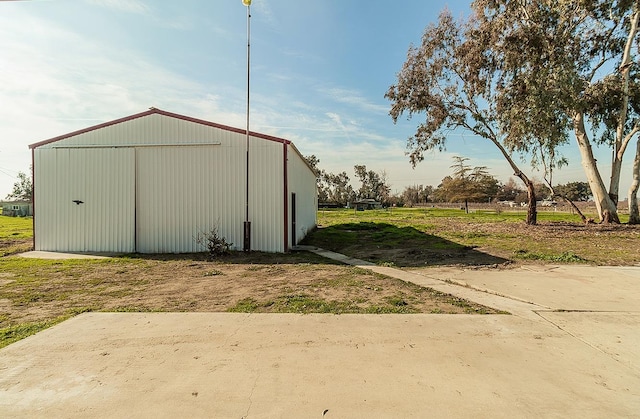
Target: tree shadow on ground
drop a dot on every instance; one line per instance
(384, 243)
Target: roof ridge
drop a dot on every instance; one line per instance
(151, 111)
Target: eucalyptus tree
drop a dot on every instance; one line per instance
(331, 187)
(453, 78)
(508, 191)
(338, 188)
(574, 191)
(572, 63)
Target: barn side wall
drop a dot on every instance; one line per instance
(266, 195)
(302, 182)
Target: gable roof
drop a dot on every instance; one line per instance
(157, 111)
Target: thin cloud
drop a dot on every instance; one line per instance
(264, 12)
(174, 21)
(338, 121)
(355, 99)
(128, 6)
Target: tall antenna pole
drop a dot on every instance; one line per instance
(247, 223)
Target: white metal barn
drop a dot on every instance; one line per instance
(152, 181)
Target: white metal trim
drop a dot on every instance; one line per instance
(137, 145)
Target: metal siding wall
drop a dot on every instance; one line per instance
(151, 129)
(103, 180)
(302, 182)
(45, 199)
(182, 191)
(109, 191)
(266, 189)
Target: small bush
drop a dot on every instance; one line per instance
(215, 244)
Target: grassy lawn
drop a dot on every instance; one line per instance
(419, 237)
(16, 235)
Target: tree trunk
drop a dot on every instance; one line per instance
(532, 213)
(634, 216)
(607, 209)
(577, 210)
(621, 140)
(616, 169)
(532, 210)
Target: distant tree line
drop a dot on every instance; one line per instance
(464, 185)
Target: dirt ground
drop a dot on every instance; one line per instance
(300, 283)
(12, 246)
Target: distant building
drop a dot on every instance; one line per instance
(17, 208)
(329, 205)
(365, 204)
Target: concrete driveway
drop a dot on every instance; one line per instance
(600, 306)
(539, 362)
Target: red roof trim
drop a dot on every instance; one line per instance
(153, 111)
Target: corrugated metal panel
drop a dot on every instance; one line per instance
(185, 191)
(302, 182)
(151, 129)
(266, 195)
(103, 181)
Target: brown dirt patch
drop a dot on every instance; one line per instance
(14, 246)
(300, 282)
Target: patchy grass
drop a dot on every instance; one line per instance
(16, 235)
(14, 333)
(35, 294)
(564, 257)
(16, 227)
(423, 237)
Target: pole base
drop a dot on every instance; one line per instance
(247, 236)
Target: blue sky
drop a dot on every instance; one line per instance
(319, 71)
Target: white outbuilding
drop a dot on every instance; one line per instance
(151, 182)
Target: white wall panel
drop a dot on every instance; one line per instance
(266, 195)
(302, 182)
(103, 181)
(150, 130)
(182, 191)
